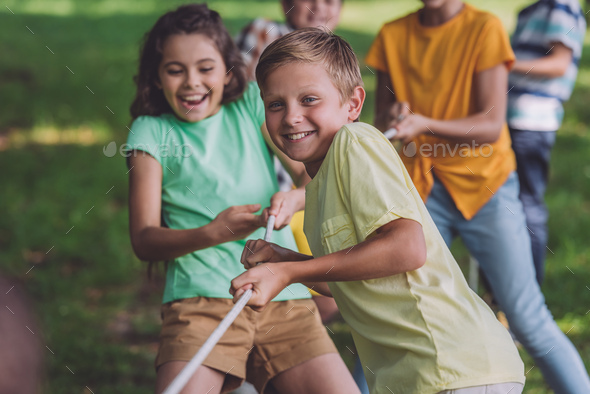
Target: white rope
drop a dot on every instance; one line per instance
(389, 134)
(269, 226)
(187, 372)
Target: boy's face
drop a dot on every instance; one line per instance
(312, 13)
(304, 112)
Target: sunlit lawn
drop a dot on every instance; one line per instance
(66, 84)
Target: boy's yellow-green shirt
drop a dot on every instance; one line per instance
(418, 332)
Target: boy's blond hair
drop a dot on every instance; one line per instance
(315, 46)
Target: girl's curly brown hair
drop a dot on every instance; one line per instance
(187, 19)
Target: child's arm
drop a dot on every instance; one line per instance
(152, 242)
(284, 204)
(259, 251)
(553, 65)
(483, 126)
(397, 247)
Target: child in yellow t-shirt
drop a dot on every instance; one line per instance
(442, 84)
(417, 326)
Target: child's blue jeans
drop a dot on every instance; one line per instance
(497, 237)
(533, 152)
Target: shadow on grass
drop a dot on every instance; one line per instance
(63, 233)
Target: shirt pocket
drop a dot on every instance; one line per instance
(338, 233)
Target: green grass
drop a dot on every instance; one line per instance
(65, 203)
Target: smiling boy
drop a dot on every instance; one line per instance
(416, 324)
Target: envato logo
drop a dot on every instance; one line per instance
(448, 150)
(160, 150)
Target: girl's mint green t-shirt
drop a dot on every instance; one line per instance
(207, 167)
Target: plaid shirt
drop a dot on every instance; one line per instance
(255, 37)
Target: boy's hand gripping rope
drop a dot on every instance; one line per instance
(183, 377)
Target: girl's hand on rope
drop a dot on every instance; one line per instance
(283, 206)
